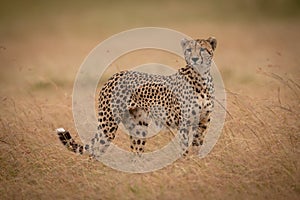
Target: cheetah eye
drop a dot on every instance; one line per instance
(189, 50)
(204, 49)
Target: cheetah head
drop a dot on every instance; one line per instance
(198, 53)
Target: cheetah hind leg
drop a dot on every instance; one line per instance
(138, 139)
(137, 125)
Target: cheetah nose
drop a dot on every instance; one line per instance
(195, 59)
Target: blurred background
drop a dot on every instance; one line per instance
(43, 43)
(42, 39)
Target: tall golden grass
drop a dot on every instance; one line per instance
(257, 155)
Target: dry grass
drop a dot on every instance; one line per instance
(256, 157)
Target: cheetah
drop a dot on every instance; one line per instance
(183, 100)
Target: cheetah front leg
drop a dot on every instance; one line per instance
(199, 135)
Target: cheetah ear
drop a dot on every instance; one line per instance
(213, 42)
(183, 42)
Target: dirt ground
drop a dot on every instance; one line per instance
(42, 46)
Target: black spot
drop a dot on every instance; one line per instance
(86, 147)
(131, 147)
(67, 135)
(140, 123)
(81, 149)
(102, 142)
(143, 142)
(193, 112)
(145, 124)
(74, 147)
(112, 129)
(64, 142)
(195, 143)
(138, 142)
(112, 137)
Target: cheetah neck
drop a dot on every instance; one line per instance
(197, 81)
(192, 71)
(202, 71)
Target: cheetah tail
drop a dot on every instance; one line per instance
(67, 140)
